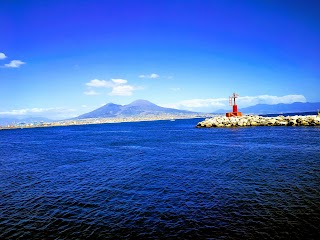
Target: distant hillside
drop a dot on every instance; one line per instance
(9, 121)
(282, 108)
(136, 108)
(296, 107)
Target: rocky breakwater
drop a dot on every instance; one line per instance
(250, 120)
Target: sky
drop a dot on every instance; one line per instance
(59, 59)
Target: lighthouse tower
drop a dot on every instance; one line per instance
(232, 102)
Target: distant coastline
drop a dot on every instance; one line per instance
(88, 121)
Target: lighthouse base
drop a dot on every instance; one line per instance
(234, 114)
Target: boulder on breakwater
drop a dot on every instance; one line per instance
(250, 120)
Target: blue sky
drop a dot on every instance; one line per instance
(62, 58)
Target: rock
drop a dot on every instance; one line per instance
(254, 124)
(292, 122)
(244, 121)
(282, 123)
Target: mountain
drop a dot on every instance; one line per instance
(136, 108)
(108, 110)
(296, 107)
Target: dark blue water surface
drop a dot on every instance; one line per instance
(160, 180)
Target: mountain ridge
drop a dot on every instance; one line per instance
(136, 108)
(279, 108)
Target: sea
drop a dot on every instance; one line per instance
(160, 180)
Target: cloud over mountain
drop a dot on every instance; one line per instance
(212, 104)
(53, 113)
(119, 87)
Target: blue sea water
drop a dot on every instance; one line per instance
(160, 180)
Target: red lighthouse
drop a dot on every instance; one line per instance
(232, 102)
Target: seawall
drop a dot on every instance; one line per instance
(250, 120)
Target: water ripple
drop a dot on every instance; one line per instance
(159, 180)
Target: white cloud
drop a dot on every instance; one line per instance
(2, 56)
(99, 83)
(267, 99)
(91, 93)
(193, 104)
(152, 75)
(14, 64)
(25, 111)
(175, 89)
(52, 113)
(106, 84)
(125, 90)
(212, 104)
(119, 87)
(119, 81)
